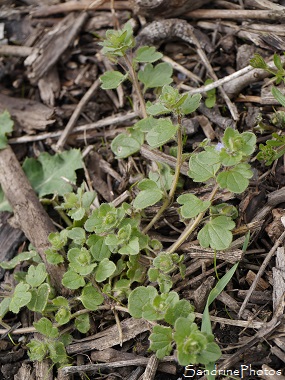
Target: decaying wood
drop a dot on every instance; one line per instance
(165, 30)
(156, 155)
(195, 251)
(273, 199)
(60, 144)
(26, 372)
(17, 51)
(234, 87)
(263, 4)
(279, 277)
(200, 295)
(151, 368)
(130, 328)
(233, 305)
(111, 355)
(251, 324)
(259, 298)
(98, 182)
(237, 14)
(261, 283)
(125, 363)
(166, 8)
(49, 87)
(261, 271)
(29, 115)
(10, 239)
(83, 5)
(28, 211)
(258, 36)
(82, 130)
(53, 44)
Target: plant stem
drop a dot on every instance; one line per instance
(136, 85)
(169, 199)
(191, 227)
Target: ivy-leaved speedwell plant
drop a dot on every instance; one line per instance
(106, 250)
(275, 146)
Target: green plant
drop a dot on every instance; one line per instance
(272, 150)
(275, 147)
(105, 250)
(210, 100)
(48, 174)
(259, 63)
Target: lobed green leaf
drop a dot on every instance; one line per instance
(217, 233)
(112, 79)
(147, 54)
(156, 76)
(192, 205)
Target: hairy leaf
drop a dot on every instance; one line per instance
(6, 126)
(91, 298)
(147, 54)
(112, 79)
(217, 233)
(161, 341)
(105, 269)
(192, 205)
(149, 194)
(156, 76)
(47, 172)
(138, 298)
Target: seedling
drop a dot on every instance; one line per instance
(275, 147)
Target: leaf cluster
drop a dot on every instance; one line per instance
(192, 345)
(101, 252)
(259, 63)
(272, 150)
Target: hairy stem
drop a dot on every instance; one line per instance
(169, 199)
(191, 227)
(136, 85)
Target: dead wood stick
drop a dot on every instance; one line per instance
(273, 199)
(278, 277)
(218, 82)
(60, 144)
(156, 155)
(151, 368)
(266, 261)
(123, 363)
(262, 4)
(110, 120)
(234, 87)
(196, 252)
(52, 45)
(16, 51)
(166, 8)
(236, 14)
(207, 64)
(112, 355)
(71, 6)
(30, 215)
(131, 327)
(251, 324)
